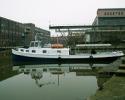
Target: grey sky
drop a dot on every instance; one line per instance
(55, 12)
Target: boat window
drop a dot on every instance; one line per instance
(27, 50)
(32, 44)
(36, 44)
(22, 50)
(41, 45)
(58, 51)
(44, 51)
(33, 51)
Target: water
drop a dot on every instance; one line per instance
(53, 83)
(45, 82)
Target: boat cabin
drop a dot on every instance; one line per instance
(36, 44)
(36, 47)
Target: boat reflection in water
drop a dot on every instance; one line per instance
(58, 82)
(49, 82)
(37, 72)
(35, 81)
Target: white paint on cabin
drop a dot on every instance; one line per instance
(45, 51)
(37, 48)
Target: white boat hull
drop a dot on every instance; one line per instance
(99, 58)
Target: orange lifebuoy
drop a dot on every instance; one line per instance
(57, 46)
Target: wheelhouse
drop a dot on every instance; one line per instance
(36, 47)
(36, 44)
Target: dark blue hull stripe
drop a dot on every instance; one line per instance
(32, 60)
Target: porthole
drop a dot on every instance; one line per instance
(44, 51)
(22, 50)
(58, 51)
(33, 51)
(27, 50)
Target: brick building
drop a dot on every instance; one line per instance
(14, 33)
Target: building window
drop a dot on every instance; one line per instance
(44, 51)
(33, 51)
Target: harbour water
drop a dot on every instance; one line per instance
(46, 82)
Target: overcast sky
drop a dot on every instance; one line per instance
(55, 12)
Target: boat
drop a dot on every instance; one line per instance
(56, 53)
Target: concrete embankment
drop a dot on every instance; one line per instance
(113, 88)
